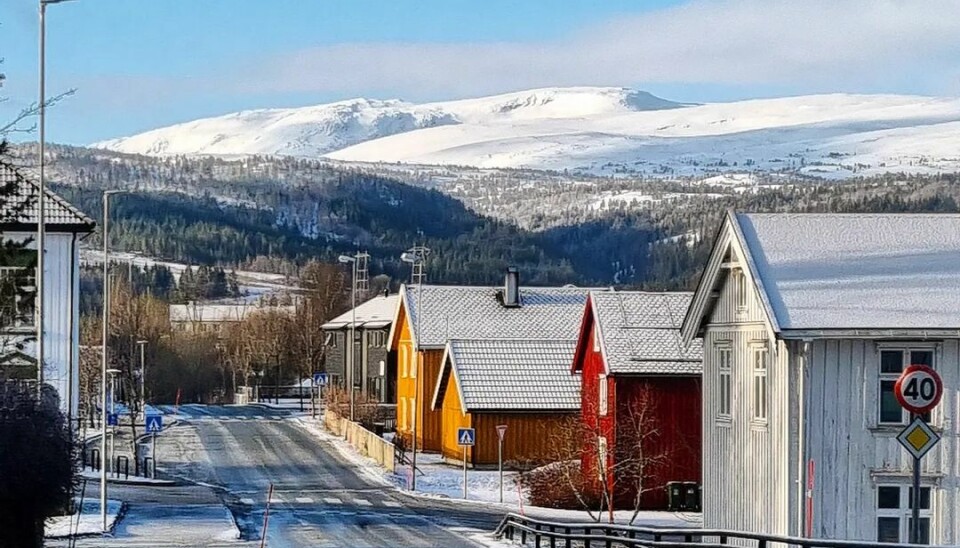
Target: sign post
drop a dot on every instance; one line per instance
(501, 432)
(154, 424)
(466, 437)
(918, 390)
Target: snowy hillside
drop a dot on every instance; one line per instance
(598, 130)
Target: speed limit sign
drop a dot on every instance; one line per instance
(919, 389)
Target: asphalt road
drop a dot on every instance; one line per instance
(231, 455)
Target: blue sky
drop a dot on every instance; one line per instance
(140, 64)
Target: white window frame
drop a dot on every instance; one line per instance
(402, 415)
(904, 513)
(906, 351)
(412, 410)
(760, 385)
(603, 394)
(740, 279)
(414, 363)
(596, 338)
(724, 357)
(602, 455)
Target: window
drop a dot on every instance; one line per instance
(413, 413)
(18, 292)
(759, 354)
(402, 414)
(602, 456)
(894, 513)
(602, 395)
(892, 364)
(724, 372)
(403, 361)
(741, 279)
(414, 366)
(378, 339)
(596, 339)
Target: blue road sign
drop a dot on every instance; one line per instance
(320, 379)
(466, 436)
(113, 419)
(154, 423)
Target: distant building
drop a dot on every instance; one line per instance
(214, 317)
(65, 227)
(375, 370)
(807, 322)
(466, 312)
(640, 394)
(522, 384)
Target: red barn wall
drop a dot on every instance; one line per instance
(595, 425)
(673, 405)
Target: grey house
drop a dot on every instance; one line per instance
(374, 372)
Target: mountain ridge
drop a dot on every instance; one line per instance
(602, 130)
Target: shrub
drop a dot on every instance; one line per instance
(560, 485)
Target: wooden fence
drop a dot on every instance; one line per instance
(364, 441)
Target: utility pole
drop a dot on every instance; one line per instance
(353, 326)
(104, 351)
(416, 257)
(143, 380)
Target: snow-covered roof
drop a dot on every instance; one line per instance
(57, 211)
(850, 271)
(218, 313)
(378, 312)
(640, 333)
(474, 312)
(510, 375)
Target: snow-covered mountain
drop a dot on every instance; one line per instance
(594, 129)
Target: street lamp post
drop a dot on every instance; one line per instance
(103, 355)
(143, 380)
(42, 191)
(416, 259)
(353, 326)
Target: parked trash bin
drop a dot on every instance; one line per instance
(675, 496)
(691, 496)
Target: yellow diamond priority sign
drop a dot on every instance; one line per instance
(918, 438)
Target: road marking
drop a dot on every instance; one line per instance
(331, 500)
(277, 498)
(304, 500)
(247, 501)
(242, 417)
(362, 502)
(258, 417)
(392, 504)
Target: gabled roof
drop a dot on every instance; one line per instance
(639, 333)
(509, 375)
(864, 271)
(377, 312)
(58, 213)
(474, 312)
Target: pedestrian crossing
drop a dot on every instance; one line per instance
(234, 418)
(315, 499)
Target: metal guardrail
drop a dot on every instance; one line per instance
(517, 528)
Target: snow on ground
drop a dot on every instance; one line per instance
(614, 200)
(483, 487)
(186, 525)
(254, 285)
(89, 521)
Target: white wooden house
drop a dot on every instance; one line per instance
(65, 227)
(807, 320)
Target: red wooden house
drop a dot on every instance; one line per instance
(640, 395)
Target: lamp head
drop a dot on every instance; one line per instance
(408, 257)
(346, 259)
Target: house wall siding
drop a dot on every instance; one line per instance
(671, 406)
(529, 439)
(429, 421)
(852, 454)
(593, 423)
(746, 465)
(452, 419)
(60, 348)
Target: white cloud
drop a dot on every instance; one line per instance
(802, 44)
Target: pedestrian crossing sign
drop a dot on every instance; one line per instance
(466, 436)
(154, 423)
